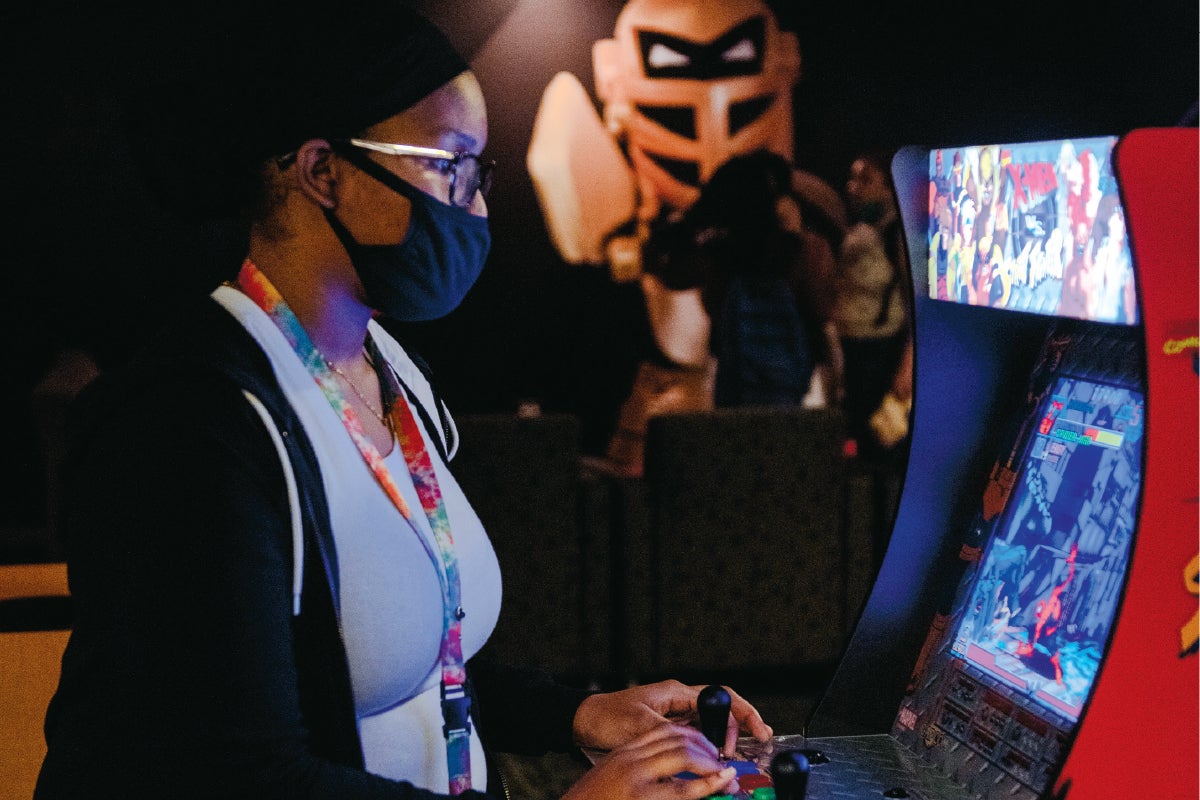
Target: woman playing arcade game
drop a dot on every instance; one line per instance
(279, 586)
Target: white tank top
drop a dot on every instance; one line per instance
(390, 595)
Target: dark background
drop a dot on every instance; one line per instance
(90, 262)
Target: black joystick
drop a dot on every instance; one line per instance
(789, 773)
(713, 705)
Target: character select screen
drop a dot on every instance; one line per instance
(1035, 227)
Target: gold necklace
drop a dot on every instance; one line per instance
(383, 419)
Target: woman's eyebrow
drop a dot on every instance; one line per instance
(457, 140)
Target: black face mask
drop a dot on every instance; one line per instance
(427, 275)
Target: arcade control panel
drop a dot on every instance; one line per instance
(798, 768)
(826, 768)
(841, 768)
(765, 770)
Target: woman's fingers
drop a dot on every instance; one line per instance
(665, 746)
(656, 766)
(744, 717)
(648, 768)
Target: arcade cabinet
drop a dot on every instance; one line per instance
(1033, 629)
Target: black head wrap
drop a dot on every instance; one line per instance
(281, 74)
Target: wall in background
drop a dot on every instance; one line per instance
(91, 262)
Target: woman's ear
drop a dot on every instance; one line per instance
(316, 173)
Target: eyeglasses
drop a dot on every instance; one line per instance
(468, 172)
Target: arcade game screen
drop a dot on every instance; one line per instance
(1034, 227)
(1039, 614)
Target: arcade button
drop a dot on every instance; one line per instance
(763, 793)
(751, 782)
(742, 769)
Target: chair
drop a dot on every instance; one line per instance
(34, 622)
(522, 475)
(750, 560)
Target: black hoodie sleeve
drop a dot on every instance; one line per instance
(523, 711)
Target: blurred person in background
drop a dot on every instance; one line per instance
(871, 311)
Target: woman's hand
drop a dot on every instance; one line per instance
(607, 721)
(645, 769)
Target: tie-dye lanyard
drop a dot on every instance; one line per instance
(455, 703)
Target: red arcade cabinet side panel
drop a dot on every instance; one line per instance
(1140, 736)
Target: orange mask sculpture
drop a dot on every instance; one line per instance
(688, 85)
(685, 85)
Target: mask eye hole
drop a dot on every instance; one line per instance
(739, 51)
(745, 112)
(677, 119)
(742, 52)
(661, 56)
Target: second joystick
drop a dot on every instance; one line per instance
(789, 773)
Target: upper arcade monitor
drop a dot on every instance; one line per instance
(1035, 227)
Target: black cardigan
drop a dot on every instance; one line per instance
(186, 674)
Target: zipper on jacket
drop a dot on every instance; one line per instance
(503, 784)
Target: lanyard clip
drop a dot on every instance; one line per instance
(456, 711)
